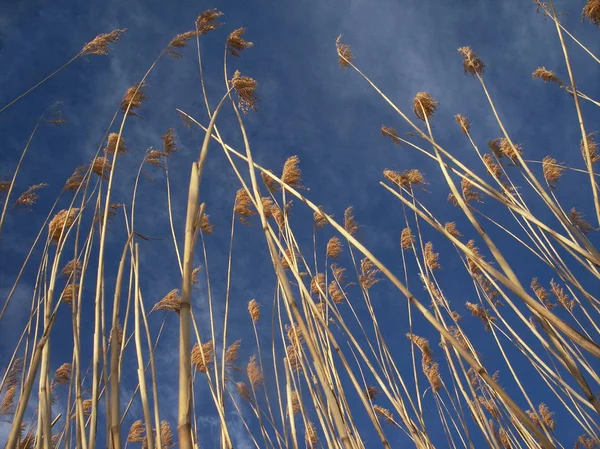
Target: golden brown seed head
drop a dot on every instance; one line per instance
(206, 21)
(336, 292)
(451, 229)
(72, 269)
(292, 175)
(245, 87)
(592, 147)
(389, 417)
(562, 298)
(63, 374)
(547, 76)
(547, 416)
(406, 239)
(391, 133)
(424, 106)
(102, 167)
(371, 392)
(295, 400)
(4, 186)
(255, 375)
(492, 167)
(552, 170)
(243, 206)
(30, 196)
(368, 274)
(166, 435)
(111, 145)
(137, 432)
(203, 356)
(471, 62)
(243, 390)
(317, 284)
(541, 293)
(478, 311)
(463, 122)
(195, 272)
(70, 293)
(334, 248)
(431, 257)
(236, 44)
(8, 401)
(344, 52)
(591, 11)
(168, 140)
(350, 224)
(170, 303)
(577, 219)
(61, 222)
(180, 41)
(269, 182)
(254, 310)
(133, 99)
(76, 179)
(293, 358)
(231, 355)
(205, 224)
(320, 218)
(99, 45)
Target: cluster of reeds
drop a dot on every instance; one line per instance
(325, 368)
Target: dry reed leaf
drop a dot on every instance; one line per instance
(548, 76)
(255, 375)
(207, 21)
(171, 302)
(133, 99)
(424, 106)
(406, 239)
(391, 133)
(62, 221)
(99, 45)
(243, 206)
(345, 56)
(236, 44)
(254, 310)
(463, 122)
(245, 87)
(30, 196)
(203, 356)
(472, 65)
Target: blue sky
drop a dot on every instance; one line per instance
(309, 107)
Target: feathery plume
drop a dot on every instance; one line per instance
(136, 432)
(431, 257)
(205, 224)
(195, 272)
(168, 140)
(345, 56)
(72, 269)
(552, 171)
(560, 295)
(391, 133)
(293, 359)
(471, 62)
(70, 293)
(371, 392)
(133, 99)
(547, 416)
(294, 335)
(254, 310)
(311, 436)
(203, 356)
(424, 106)
(4, 186)
(350, 224)
(548, 76)
(111, 145)
(368, 274)
(231, 355)
(334, 248)
(336, 293)
(76, 179)
(255, 375)
(317, 283)
(30, 196)
(180, 41)
(291, 172)
(8, 401)
(389, 417)
(12, 376)
(492, 167)
(407, 178)
(171, 302)
(591, 11)
(481, 313)
(269, 182)
(206, 22)
(406, 239)
(102, 167)
(63, 374)
(245, 87)
(541, 293)
(242, 206)
(577, 219)
(99, 45)
(236, 44)
(320, 218)
(166, 435)
(87, 407)
(295, 400)
(451, 229)
(463, 122)
(243, 390)
(592, 146)
(63, 220)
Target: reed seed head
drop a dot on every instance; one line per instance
(180, 41)
(389, 417)
(577, 219)
(76, 179)
(547, 76)
(207, 21)
(480, 312)
(391, 133)
(492, 167)
(560, 295)
(236, 43)
(171, 302)
(195, 272)
(137, 432)
(102, 167)
(320, 218)
(269, 182)
(254, 310)
(166, 435)
(541, 293)
(62, 221)
(345, 56)
(295, 400)
(591, 11)
(203, 356)
(334, 248)
(63, 374)
(431, 257)
(111, 145)
(243, 206)
(547, 416)
(8, 401)
(99, 45)
(407, 239)
(317, 284)
(133, 99)
(232, 352)
(592, 147)
(255, 375)
(336, 293)
(243, 391)
(463, 122)
(424, 106)
(472, 65)
(245, 87)
(30, 196)
(451, 229)
(293, 358)
(368, 274)
(292, 175)
(70, 293)
(371, 392)
(552, 170)
(72, 269)
(294, 335)
(350, 224)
